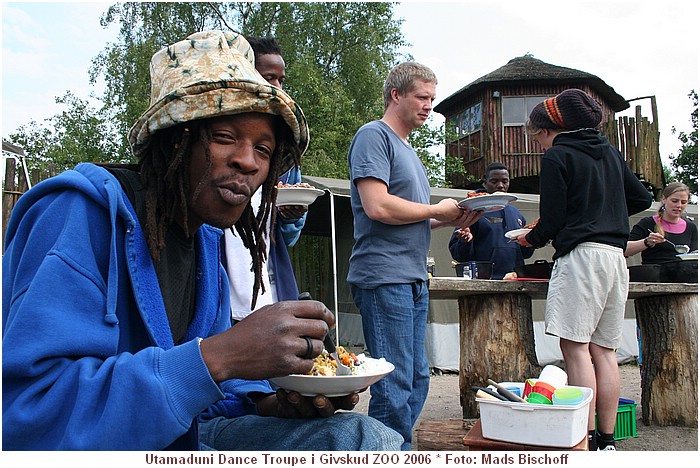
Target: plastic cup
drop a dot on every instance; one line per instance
(554, 376)
(567, 396)
(484, 270)
(538, 399)
(529, 383)
(543, 388)
(463, 270)
(514, 390)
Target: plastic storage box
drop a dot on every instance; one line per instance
(530, 424)
(626, 422)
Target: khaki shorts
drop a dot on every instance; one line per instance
(587, 295)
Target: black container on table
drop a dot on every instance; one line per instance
(541, 269)
(484, 270)
(459, 268)
(682, 271)
(479, 270)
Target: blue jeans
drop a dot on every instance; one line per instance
(342, 432)
(394, 320)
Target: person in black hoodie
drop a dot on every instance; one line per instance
(587, 194)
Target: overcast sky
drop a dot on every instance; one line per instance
(639, 48)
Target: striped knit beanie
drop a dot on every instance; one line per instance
(569, 110)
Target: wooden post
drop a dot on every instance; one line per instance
(8, 197)
(669, 329)
(497, 342)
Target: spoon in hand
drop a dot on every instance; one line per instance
(342, 369)
(680, 248)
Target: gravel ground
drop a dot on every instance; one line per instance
(443, 403)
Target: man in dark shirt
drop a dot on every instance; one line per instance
(485, 240)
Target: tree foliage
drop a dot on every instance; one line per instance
(78, 134)
(428, 141)
(337, 56)
(685, 163)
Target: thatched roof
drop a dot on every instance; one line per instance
(527, 69)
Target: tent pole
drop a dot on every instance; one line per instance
(26, 172)
(335, 271)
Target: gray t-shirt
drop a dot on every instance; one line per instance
(383, 253)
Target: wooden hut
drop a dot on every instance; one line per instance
(485, 123)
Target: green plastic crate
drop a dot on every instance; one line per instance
(626, 422)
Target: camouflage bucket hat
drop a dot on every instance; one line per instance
(211, 74)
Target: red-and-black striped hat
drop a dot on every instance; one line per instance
(569, 110)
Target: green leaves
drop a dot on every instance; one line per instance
(685, 164)
(337, 54)
(78, 134)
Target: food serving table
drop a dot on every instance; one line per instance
(497, 341)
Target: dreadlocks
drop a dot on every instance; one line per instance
(165, 166)
(251, 228)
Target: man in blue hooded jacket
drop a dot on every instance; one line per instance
(116, 324)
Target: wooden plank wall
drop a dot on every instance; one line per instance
(14, 185)
(637, 137)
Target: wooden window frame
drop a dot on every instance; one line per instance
(529, 101)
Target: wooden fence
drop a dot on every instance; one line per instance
(15, 184)
(637, 138)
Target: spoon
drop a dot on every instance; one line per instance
(342, 369)
(680, 248)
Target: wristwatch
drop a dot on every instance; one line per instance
(647, 244)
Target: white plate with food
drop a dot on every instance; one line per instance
(297, 195)
(517, 232)
(365, 374)
(688, 256)
(488, 202)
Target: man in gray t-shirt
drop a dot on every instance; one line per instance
(390, 198)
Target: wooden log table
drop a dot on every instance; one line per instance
(669, 331)
(497, 340)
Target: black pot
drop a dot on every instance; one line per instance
(682, 271)
(541, 269)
